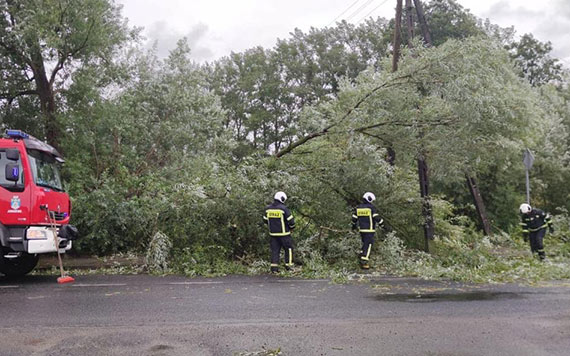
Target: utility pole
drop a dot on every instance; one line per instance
(410, 22)
(479, 205)
(471, 182)
(423, 23)
(397, 36)
(423, 172)
(422, 163)
(421, 160)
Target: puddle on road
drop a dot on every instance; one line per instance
(448, 297)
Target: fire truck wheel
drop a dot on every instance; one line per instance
(18, 267)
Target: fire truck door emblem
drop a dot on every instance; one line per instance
(15, 203)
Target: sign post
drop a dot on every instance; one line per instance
(528, 160)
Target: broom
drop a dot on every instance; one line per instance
(63, 279)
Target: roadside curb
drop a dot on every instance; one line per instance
(89, 262)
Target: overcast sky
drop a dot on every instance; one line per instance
(214, 28)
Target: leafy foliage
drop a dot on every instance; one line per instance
(533, 58)
(157, 254)
(176, 160)
(42, 45)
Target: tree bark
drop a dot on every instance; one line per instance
(479, 204)
(396, 45)
(423, 23)
(46, 95)
(397, 36)
(410, 22)
(426, 204)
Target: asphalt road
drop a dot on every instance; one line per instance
(146, 315)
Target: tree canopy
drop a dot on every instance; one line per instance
(194, 151)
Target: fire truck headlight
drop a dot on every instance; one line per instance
(33, 234)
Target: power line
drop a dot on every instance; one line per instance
(342, 13)
(359, 9)
(371, 11)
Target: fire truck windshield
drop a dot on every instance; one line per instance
(45, 170)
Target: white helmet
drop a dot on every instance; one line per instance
(369, 197)
(525, 208)
(280, 196)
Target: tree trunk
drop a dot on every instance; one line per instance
(479, 205)
(410, 22)
(397, 43)
(397, 36)
(426, 205)
(423, 23)
(47, 99)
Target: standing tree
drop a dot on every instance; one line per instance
(43, 43)
(533, 57)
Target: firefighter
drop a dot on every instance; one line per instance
(280, 222)
(534, 223)
(365, 217)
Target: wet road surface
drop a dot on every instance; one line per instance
(238, 315)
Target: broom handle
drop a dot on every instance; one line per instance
(54, 229)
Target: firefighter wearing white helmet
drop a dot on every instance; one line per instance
(365, 218)
(534, 223)
(280, 222)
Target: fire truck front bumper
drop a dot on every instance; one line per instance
(41, 239)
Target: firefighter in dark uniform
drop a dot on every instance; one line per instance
(280, 222)
(365, 217)
(534, 223)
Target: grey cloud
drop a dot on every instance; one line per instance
(562, 7)
(503, 10)
(555, 27)
(161, 35)
(551, 23)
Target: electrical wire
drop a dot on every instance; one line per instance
(342, 13)
(362, 7)
(371, 11)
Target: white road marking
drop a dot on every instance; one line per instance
(182, 283)
(191, 283)
(6, 287)
(99, 285)
(301, 280)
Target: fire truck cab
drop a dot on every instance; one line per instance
(31, 193)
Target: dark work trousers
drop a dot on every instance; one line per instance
(367, 241)
(536, 245)
(277, 243)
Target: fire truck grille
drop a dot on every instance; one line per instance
(60, 216)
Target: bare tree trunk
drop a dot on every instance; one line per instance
(47, 99)
(423, 23)
(410, 22)
(479, 205)
(397, 36)
(396, 45)
(426, 204)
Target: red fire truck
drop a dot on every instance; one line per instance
(33, 204)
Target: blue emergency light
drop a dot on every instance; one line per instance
(17, 134)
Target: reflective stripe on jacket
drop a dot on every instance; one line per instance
(535, 220)
(279, 219)
(365, 216)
